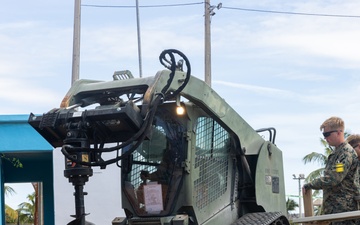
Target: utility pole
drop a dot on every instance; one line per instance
(209, 12)
(301, 177)
(207, 43)
(76, 42)
(138, 37)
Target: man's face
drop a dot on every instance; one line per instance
(331, 136)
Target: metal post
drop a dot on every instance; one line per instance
(301, 177)
(76, 42)
(41, 203)
(207, 43)
(138, 37)
(18, 217)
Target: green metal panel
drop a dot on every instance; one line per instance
(270, 179)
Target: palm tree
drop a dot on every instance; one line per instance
(10, 213)
(27, 209)
(291, 205)
(319, 158)
(8, 190)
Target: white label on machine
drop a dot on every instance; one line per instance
(153, 198)
(77, 114)
(268, 179)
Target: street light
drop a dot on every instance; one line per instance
(299, 178)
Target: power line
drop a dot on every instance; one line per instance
(291, 13)
(224, 7)
(143, 6)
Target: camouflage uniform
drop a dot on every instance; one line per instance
(339, 188)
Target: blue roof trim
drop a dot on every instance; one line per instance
(16, 135)
(13, 118)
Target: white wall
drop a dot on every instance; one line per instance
(103, 201)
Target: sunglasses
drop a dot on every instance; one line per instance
(327, 134)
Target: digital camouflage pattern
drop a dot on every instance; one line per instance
(339, 188)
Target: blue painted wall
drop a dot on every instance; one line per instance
(19, 140)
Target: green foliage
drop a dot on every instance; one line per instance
(8, 190)
(16, 162)
(321, 160)
(11, 215)
(27, 209)
(291, 205)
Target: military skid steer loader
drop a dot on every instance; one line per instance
(186, 156)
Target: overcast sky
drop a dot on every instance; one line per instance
(283, 64)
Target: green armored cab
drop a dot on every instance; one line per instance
(203, 164)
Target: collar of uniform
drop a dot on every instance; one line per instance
(341, 145)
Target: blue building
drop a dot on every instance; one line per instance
(20, 141)
(42, 163)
